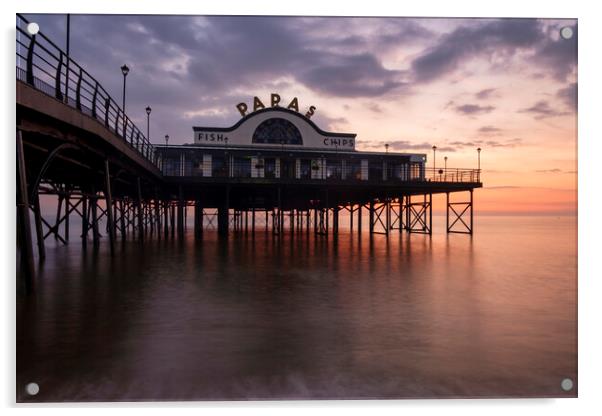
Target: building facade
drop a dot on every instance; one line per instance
(279, 143)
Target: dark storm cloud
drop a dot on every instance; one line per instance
(494, 36)
(500, 38)
(180, 64)
(557, 54)
(474, 109)
(183, 64)
(542, 109)
(351, 76)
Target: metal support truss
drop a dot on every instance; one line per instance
(460, 210)
(419, 215)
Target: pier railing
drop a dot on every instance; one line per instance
(47, 68)
(452, 175)
(328, 170)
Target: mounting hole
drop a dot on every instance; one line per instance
(32, 389)
(33, 28)
(566, 384)
(566, 32)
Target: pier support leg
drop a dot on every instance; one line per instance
(180, 213)
(39, 230)
(359, 219)
(166, 219)
(198, 220)
(335, 220)
(94, 209)
(223, 216)
(459, 223)
(67, 199)
(172, 219)
(420, 215)
(122, 226)
(371, 216)
(109, 207)
(85, 225)
(140, 213)
(307, 219)
(351, 208)
(24, 226)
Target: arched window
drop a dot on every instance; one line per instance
(277, 131)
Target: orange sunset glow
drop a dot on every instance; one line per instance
(508, 86)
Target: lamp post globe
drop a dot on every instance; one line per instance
(148, 112)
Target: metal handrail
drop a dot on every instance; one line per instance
(328, 170)
(47, 68)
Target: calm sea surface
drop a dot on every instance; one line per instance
(301, 317)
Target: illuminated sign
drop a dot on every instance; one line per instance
(274, 102)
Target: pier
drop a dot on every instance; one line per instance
(76, 143)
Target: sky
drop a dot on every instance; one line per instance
(508, 86)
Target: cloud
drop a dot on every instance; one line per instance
(500, 39)
(375, 108)
(352, 76)
(503, 36)
(542, 109)
(556, 54)
(485, 93)
(330, 123)
(194, 69)
(404, 145)
(501, 144)
(465, 144)
(509, 143)
(569, 95)
(474, 109)
(556, 170)
(490, 130)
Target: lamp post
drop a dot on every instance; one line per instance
(445, 167)
(434, 157)
(124, 70)
(166, 139)
(479, 164)
(68, 59)
(148, 111)
(386, 147)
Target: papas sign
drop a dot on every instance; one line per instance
(274, 102)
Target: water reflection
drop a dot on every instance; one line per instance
(305, 317)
